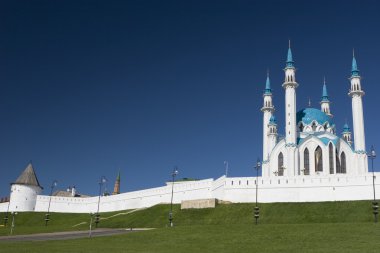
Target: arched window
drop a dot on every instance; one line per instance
(337, 162)
(301, 127)
(281, 164)
(314, 126)
(343, 162)
(306, 162)
(318, 159)
(331, 158)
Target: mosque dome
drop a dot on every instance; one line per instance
(308, 115)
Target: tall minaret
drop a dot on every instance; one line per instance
(267, 110)
(356, 94)
(272, 134)
(325, 102)
(290, 86)
(347, 134)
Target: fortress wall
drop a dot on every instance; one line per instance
(301, 189)
(3, 207)
(239, 189)
(130, 200)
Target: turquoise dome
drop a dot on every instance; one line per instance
(308, 115)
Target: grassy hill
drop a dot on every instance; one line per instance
(225, 214)
(284, 227)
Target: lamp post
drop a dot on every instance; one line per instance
(6, 215)
(257, 209)
(102, 181)
(13, 222)
(174, 173)
(47, 216)
(375, 205)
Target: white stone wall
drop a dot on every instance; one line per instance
(4, 207)
(237, 190)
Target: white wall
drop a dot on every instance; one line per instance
(240, 189)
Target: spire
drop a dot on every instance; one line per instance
(289, 60)
(28, 177)
(354, 69)
(346, 128)
(268, 90)
(272, 120)
(325, 96)
(116, 188)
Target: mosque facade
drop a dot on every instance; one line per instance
(312, 144)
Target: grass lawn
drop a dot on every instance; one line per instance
(284, 227)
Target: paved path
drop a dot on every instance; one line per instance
(67, 235)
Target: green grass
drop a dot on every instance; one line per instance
(284, 227)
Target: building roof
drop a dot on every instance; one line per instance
(308, 115)
(268, 90)
(28, 177)
(289, 59)
(325, 96)
(354, 69)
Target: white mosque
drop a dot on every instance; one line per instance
(311, 145)
(311, 163)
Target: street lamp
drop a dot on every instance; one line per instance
(47, 216)
(375, 205)
(102, 181)
(6, 215)
(174, 173)
(13, 222)
(257, 209)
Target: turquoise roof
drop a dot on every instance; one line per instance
(289, 60)
(272, 120)
(325, 96)
(354, 69)
(268, 90)
(308, 115)
(346, 128)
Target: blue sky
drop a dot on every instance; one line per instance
(91, 87)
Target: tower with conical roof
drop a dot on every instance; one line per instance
(267, 110)
(325, 102)
(272, 133)
(356, 93)
(116, 188)
(24, 191)
(290, 85)
(347, 134)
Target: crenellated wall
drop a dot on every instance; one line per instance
(238, 189)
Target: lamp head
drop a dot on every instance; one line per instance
(373, 153)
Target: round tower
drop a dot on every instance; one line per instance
(24, 191)
(325, 102)
(272, 133)
(290, 86)
(267, 110)
(356, 93)
(347, 134)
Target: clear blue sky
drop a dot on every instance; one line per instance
(91, 87)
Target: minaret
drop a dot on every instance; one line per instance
(356, 94)
(325, 102)
(272, 133)
(290, 86)
(347, 134)
(267, 110)
(116, 188)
